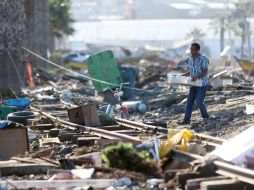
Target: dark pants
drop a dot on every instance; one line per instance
(198, 94)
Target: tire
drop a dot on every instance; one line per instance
(21, 116)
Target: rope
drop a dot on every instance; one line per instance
(84, 76)
(16, 69)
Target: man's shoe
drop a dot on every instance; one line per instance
(184, 123)
(209, 118)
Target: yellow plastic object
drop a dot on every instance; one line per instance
(177, 138)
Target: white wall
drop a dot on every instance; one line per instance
(140, 31)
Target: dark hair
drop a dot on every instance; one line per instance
(196, 45)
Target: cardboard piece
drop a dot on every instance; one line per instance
(235, 150)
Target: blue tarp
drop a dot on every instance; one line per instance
(4, 123)
(20, 103)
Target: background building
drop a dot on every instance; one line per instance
(164, 23)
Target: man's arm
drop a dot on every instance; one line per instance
(200, 75)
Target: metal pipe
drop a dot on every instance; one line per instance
(184, 156)
(142, 126)
(221, 168)
(234, 171)
(211, 139)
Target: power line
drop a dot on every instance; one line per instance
(84, 76)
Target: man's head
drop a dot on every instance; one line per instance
(195, 48)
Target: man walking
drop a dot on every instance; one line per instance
(198, 69)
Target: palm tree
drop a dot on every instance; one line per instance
(60, 20)
(241, 14)
(219, 26)
(235, 21)
(196, 34)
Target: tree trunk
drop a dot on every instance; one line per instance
(52, 40)
(12, 19)
(37, 14)
(247, 27)
(222, 32)
(243, 40)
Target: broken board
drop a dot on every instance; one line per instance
(13, 141)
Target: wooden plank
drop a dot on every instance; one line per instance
(225, 184)
(87, 141)
(50, 141)
(20, 169)
(42, 127)
(114, 127)
(183, 176)
(193, 184)
(54, 132)
(106, 142)
(42, 184)
(67, 136)
(44, 153)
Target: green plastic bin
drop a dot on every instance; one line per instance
(103, 66)
(5, 110)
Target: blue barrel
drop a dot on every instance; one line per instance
(128, 75)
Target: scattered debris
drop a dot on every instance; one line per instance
(64, 138)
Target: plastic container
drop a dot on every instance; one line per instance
(5, 110)
(177, 79)
(19, 103)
